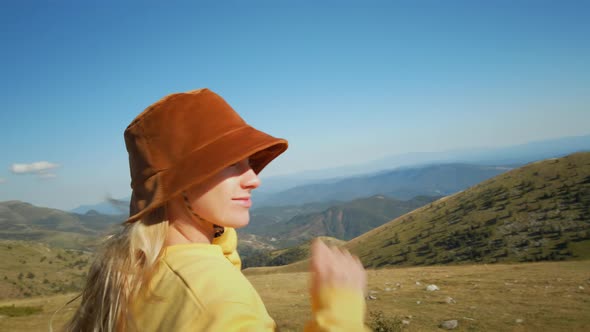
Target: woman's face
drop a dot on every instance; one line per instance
(226, 201)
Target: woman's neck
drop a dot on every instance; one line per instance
(186, 228)
(184, 233)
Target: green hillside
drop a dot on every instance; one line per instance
(343, 221)
(33, 269)
(268, 216)
(302, 251)
(279, 257)
(540, 211)
(23, 221)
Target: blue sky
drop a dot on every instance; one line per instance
(343, 81)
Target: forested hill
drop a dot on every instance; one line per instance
(540, 211)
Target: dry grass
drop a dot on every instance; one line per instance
(39, 321)
(546, 296)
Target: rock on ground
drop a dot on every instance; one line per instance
(450, 300)
(449, 324)
(432, 288)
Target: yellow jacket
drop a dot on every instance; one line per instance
(199, 287)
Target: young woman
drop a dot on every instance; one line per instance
(174, 266)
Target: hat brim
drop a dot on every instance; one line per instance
(194, 169)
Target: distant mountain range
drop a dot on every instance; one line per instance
(24, 221)
(279, 190)
(111, 206)
(508, 155)
(538, 212)
(293, 189)
(403, 183)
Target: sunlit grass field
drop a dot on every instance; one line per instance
(511, 297)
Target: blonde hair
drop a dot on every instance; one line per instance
(121, 270)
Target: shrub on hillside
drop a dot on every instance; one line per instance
(378, 322)
(12, 311)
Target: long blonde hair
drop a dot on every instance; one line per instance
(121, 270)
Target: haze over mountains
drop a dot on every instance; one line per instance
(509, 155)
(403, 183)
(331, 184)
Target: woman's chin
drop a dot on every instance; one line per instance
(236, 223)
(242, 224)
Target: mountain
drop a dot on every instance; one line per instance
(403, 183)
(515, 154)
(265, 217)
(111, 207)
(24, 221)
(537, 212)
(343, 221)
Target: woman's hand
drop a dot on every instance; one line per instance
(334, 267)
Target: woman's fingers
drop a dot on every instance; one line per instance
(335, 267)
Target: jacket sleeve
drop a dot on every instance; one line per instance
(334, 309)
(234, 316)
(337, 310)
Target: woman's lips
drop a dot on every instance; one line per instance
(245, 201)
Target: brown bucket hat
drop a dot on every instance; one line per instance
(185, 138)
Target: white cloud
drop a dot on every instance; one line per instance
(39, 167)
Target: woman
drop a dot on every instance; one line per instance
(174, 267)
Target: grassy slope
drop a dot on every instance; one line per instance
(32, 269)
(300, 252)
(538, 212)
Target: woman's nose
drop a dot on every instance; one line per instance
(250, 179)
